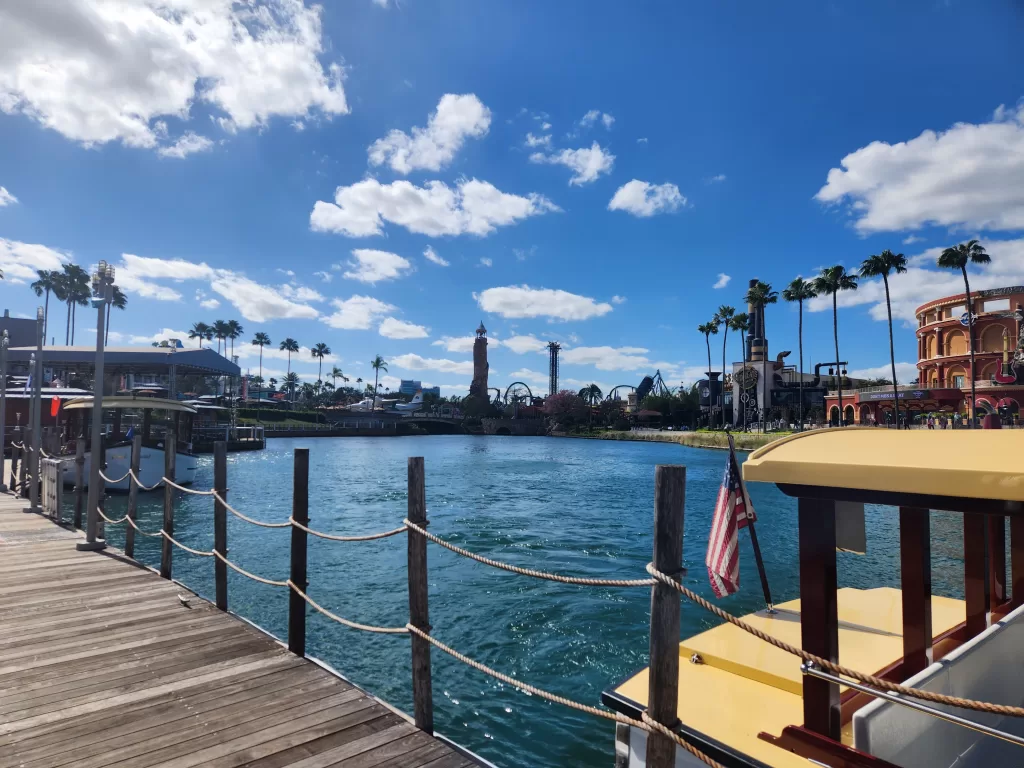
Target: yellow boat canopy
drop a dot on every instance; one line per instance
(127, 401)
(959, 463)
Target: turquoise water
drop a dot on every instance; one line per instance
(580, 507)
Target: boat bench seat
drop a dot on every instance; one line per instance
(985, 668)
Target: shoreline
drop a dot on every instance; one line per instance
(713, 440)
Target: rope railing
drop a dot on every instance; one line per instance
(335, 537)
(347, 622)
(247, 519)
(131, 473)
(154, 534)
(247, 574)
(114, 481)
(185, 489)
(579, 580)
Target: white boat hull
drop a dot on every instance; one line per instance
(151, 468)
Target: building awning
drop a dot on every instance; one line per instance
(133, 359)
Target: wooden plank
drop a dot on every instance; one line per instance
(975, 574)
(318, 746)
(344, 752)
(916, 587)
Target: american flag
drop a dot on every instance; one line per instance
(732, 510)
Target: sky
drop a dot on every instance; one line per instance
(383, 175)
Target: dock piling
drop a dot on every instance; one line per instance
(220, 522)
(76, 520)
(15, 456)
(26, 462)
(419, 614)
(298, 575)
(167, 549)
(133, 495)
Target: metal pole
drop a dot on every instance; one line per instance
(36, 463)
(166, 548)
(419, 614)
(4, 341)
(133, 495)
(102, 284)
(220, 523)
(298, 571)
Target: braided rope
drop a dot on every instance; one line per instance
(837, 669)
(239, 515)
(332, 537)
(183, 489)
(647, 724)
(348, 623)
(118, 480)
(253, 576)
(139, 482)
(144, 533)
(19, 446)
(528, 571)
(175, 542)
(99, 511)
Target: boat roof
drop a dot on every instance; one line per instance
(130, 401)
(958, 463)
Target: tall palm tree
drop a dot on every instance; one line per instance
(724, 314)
(75, 287)
(200, 331)
(273, 383)
(958, 257)
(740, 323)
(290, 382)
(337, 373)
(289, 345)
(880, 266)
(760, 295)
(591, 394)
(220, 333)
(320, 351)
(233, 331)
(260, 340)
(707, 329)
(830, 282)
(800, 290)
(47, 283)
(119, 301)
(378, 365)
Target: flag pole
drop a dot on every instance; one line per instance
(750, 527)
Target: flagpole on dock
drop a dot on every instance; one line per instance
(750, 527)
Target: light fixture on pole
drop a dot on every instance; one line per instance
(4, 342)
(103, 294)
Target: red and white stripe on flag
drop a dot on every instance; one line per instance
(732, 510)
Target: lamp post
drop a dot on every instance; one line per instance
(103, 294)
(4, 341)
(35, 415)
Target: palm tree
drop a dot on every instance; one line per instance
(118, 301)
(200, 331)
(234, 330)
(75, 289)
(289, 345)
(724, 315)
(958, 257)
(337, 373)
(290, 382)
(273, 383)
(880, 266)
(320, 351)
(591, 394)
(47, 283)
(759, 296)
(740, 323)
(830, 282)
(220, 333)
(707, 329)
(260, 340)
(801, 290)
(378, 365)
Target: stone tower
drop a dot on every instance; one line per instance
(478, 388)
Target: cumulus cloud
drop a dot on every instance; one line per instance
(209, 303)
(459, 344)
(596, 115)
(586, 164)
(905, 372)
(457, 118)
(370, 266)
(357, 313)
(718, 179)
(523, 344)
(644, 199)
(486, 262)
(966, 177)
(431, 255)
(515, 301)
(300, 292)
(392, 328)
(722, 281)
(6, 198)
(472, 207)
(324, 276)
(413, 362)
(97, 71)
(607, 358)
(165, 334)
(538, 141)
(187, 144)
(256, 302)
(303, 357)
(19, 261)
(618, 299)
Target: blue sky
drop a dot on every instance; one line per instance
(580, 171)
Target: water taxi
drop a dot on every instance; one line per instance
(161, 421)
(748, 704)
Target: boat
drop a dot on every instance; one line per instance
(748, 704)
(158, 419)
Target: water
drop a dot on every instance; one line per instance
(580, 507)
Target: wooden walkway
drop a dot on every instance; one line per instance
(101, 664)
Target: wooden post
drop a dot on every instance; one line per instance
(819, 617)
(975, 573)
(167, 549)
(1017, 560)
(76, 521)
(26, 462)
(916, 584)
(298, 575)
(133, 495)
(996, 525)
(220, 522)
(663, 682)
(419, 613)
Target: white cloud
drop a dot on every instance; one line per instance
(247, 351)
(371, 266)
(473, 207)
(642, 140)
(911, 239)
(209, 303)
(431, 255)
(594, 115)
(456, 118)
(136, 274)
(618, 299)
(644, 199)
(459, 344)
(523, 301)
(19, 261)
(105, 70)
(186, 145)
(416, 363)
(722, 281)
(523, 344)
(586, 164)
(6, 198)
(538, 141)
(530, 377)
(257, 302)
(718, 179)
(905, 372)
(381, 3)
(300, 292)
(545, 126)
(607, 358)
(486, 262)
(286, 272)
(357, 313)
(325, 276)
(966, 177)
(399, 329)
(165, 334)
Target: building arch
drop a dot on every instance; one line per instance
(833, 416)
(848, 416)
(992, 338)
(955, 342)
(865, 414)
(954, 373)
(988, 370)
(929, 346)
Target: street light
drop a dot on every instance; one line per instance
(35, 415)
(103, 294)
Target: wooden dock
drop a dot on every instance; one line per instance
(103, 663)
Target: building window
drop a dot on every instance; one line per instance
(958, 381)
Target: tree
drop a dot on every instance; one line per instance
(289, 383)
(958, 257)
(119, 301)
(565, 408)
(48, 282)
(335, 374)
(708, 329)
(880, 266)
(220, 333)
(759, 296)
(320, 351)
(724, 314)
(378, 365)
(831, 282)
(200, 331)
(289, 345)
(233, 331)
(260, 340)
(740, 323)
(591, 394)
(76, 291)
(273, 383)
(801, 290)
